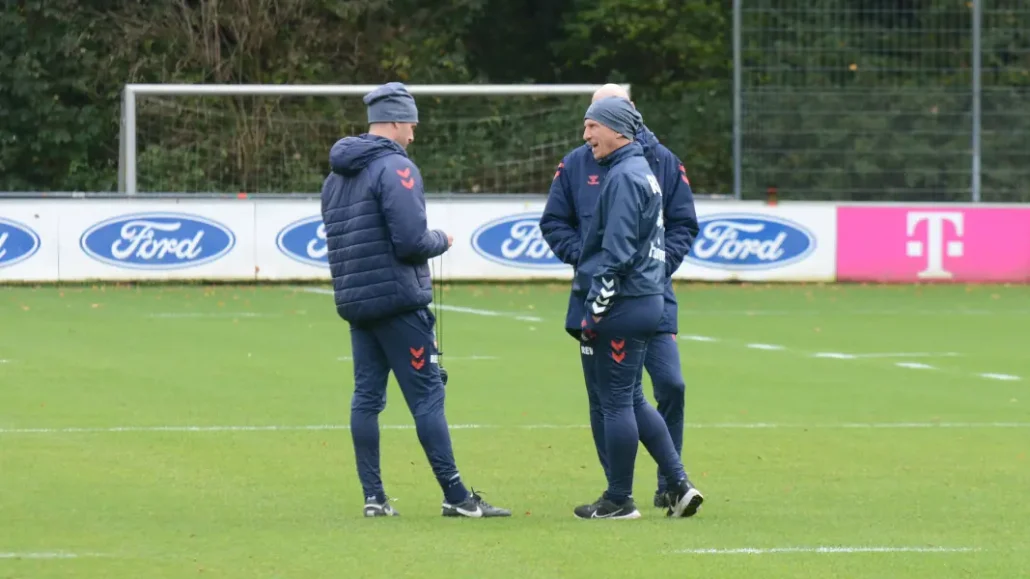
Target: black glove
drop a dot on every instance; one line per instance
(443, 375)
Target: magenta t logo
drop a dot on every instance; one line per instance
(933, 244)
(933, 247)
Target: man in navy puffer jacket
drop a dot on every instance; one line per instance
(374, 212)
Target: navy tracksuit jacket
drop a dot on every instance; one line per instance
(572, 201)
(571, 207)
(622, 270)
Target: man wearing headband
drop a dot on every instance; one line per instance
(374, 213)
(622, 271)
(570, 207)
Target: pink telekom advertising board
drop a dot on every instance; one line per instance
(933, 244)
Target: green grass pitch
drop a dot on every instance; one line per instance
(836, 431)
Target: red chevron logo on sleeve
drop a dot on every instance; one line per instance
(405, 173)
(417, 353)
(683, 175)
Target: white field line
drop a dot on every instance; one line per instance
(773, 347)
(327, 427)
(447, 308)
(1005, 377)
(5, 361)
(850, 356)
(843, 356)
(824, 550)
(915, 366)
(492, 313)
(47, 555)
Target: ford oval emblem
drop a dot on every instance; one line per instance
(515, 241)
(304, 241)
(741, 241)
(157, 241)
(18, 242)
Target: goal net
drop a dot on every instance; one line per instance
(276, 139)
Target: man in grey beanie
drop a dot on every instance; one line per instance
(374, 212)
(568, 212)
(621, 273)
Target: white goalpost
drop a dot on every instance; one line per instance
(263, 138)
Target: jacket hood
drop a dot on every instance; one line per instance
(350, 155)
(648, 141)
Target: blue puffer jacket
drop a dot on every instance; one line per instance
(374, 213)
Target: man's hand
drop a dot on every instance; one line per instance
(450, 240)
(587, 325)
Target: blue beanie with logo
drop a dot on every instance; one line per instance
(391, 103)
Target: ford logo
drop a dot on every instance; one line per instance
(515, 241)
(158, 241)
(17, 242)
(304, 241)
(750, 242)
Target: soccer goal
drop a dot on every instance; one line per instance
(217, 138)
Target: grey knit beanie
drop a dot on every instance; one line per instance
(616, 113)
(391, 103)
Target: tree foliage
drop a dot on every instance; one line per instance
(862, 99)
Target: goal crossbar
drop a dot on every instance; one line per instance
(127, 139)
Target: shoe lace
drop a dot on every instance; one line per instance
(478, 498)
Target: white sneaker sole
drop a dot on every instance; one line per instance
(688, 505)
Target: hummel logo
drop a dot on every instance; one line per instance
(608, 283)
(607, 293)
(597, 308)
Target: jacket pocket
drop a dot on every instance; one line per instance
(422, 277)
(426, 317)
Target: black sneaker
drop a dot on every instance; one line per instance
(374, 508)
(684, 500)
(474, 507)
(661, 500)
(606, 509)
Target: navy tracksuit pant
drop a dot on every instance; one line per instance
(613, 353)
(406, 345)
(662, 362)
